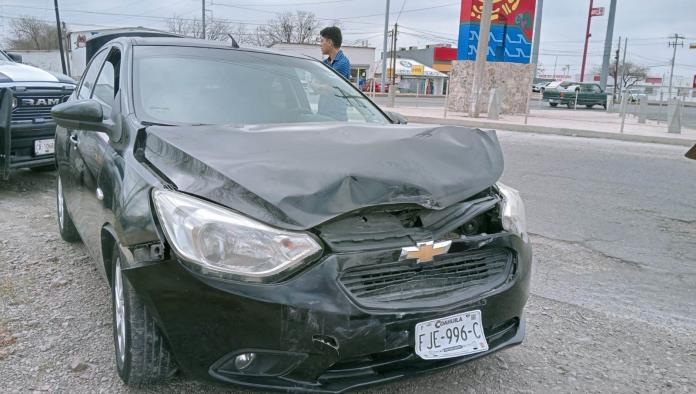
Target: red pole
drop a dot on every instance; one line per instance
(587, 42)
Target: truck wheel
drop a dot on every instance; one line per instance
(553, 104)
(589, 105)
(66, 227)
(142, 353)
(571, 105)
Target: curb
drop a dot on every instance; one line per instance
(552, 130)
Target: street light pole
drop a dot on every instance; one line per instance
(607, 46)
(60, 39)
(587, 42)
(384, 48)
(537, 36)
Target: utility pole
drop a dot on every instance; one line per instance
(616, 69)
(203, 18)
(623, 66)
(555, 63)
(393, 78)
(481, 56)
(674, 44)
(537, 36)
(384, 48)
(60, 39)
(607, 45)
(587, 42)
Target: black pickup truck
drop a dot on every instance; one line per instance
(27, 130)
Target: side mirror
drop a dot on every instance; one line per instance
(397, 118)
(82, 115)
(15, 57)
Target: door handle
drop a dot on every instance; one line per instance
(74, 139)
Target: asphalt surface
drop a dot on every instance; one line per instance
(633, 203)
(613, 301)
(655, 112)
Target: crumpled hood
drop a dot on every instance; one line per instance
(299, 176)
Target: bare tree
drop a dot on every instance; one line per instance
(27, 33)
(301, 27)
(307, 27)
(215, 29)
(634, 74)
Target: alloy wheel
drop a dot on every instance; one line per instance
(119, 313)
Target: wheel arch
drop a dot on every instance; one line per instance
(109, 239)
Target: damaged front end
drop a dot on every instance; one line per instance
(347, 318)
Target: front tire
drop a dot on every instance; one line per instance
(142, 353)
(66, 227)
(554, 105)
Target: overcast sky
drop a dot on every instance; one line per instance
(646, 23)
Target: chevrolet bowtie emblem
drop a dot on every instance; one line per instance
(424, 252)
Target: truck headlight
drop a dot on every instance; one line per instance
(220, 241)
(512, 212)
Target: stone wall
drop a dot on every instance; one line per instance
(514, 78)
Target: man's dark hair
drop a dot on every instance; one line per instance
(332, 33)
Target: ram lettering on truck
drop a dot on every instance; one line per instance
(27, 130)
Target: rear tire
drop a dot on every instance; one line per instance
(142, 352)
(590, 106)
(553, 104)
(66, 227)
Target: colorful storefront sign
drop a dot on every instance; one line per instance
(512, 23)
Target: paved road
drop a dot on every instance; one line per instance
(613, 292)
(632, 204)
(654, 112)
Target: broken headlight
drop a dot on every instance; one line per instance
(223, 243)
(512, 213)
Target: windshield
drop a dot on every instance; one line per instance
(191, 85)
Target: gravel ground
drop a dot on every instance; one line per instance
(55, 322)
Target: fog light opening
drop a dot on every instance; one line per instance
(244, 360)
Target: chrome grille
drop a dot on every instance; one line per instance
(25, 112)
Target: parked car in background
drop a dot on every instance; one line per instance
(575, 93)
(367, 87)
(539, 86)
(635, 95)
(264, 232)
(27, 95)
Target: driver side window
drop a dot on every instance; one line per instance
(89, 77)
(106, 86)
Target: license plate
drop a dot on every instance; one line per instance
(450, 336)
(44, 147)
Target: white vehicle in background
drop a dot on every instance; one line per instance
(83, 44)
(27, 95)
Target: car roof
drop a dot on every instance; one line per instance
(196, 43)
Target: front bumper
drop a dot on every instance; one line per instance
(324, 340)
(22, 137)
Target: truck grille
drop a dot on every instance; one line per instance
(26, 111)
(461, 274)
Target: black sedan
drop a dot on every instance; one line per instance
(261, 222)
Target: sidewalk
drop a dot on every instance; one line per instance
(581, 123)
